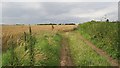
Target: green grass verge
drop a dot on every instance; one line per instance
(49, 46)
(82, 54)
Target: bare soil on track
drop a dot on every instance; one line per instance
(65, 58)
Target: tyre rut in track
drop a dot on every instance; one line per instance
(65, 58)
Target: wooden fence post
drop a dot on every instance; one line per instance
(31, 48)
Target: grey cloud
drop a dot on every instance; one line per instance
(56, 12)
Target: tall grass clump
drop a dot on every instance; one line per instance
(48, 47)
(9, 58)
(21, 51)
(31, 47)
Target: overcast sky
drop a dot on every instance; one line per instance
(57, 12)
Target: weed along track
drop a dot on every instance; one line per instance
(65, 58)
